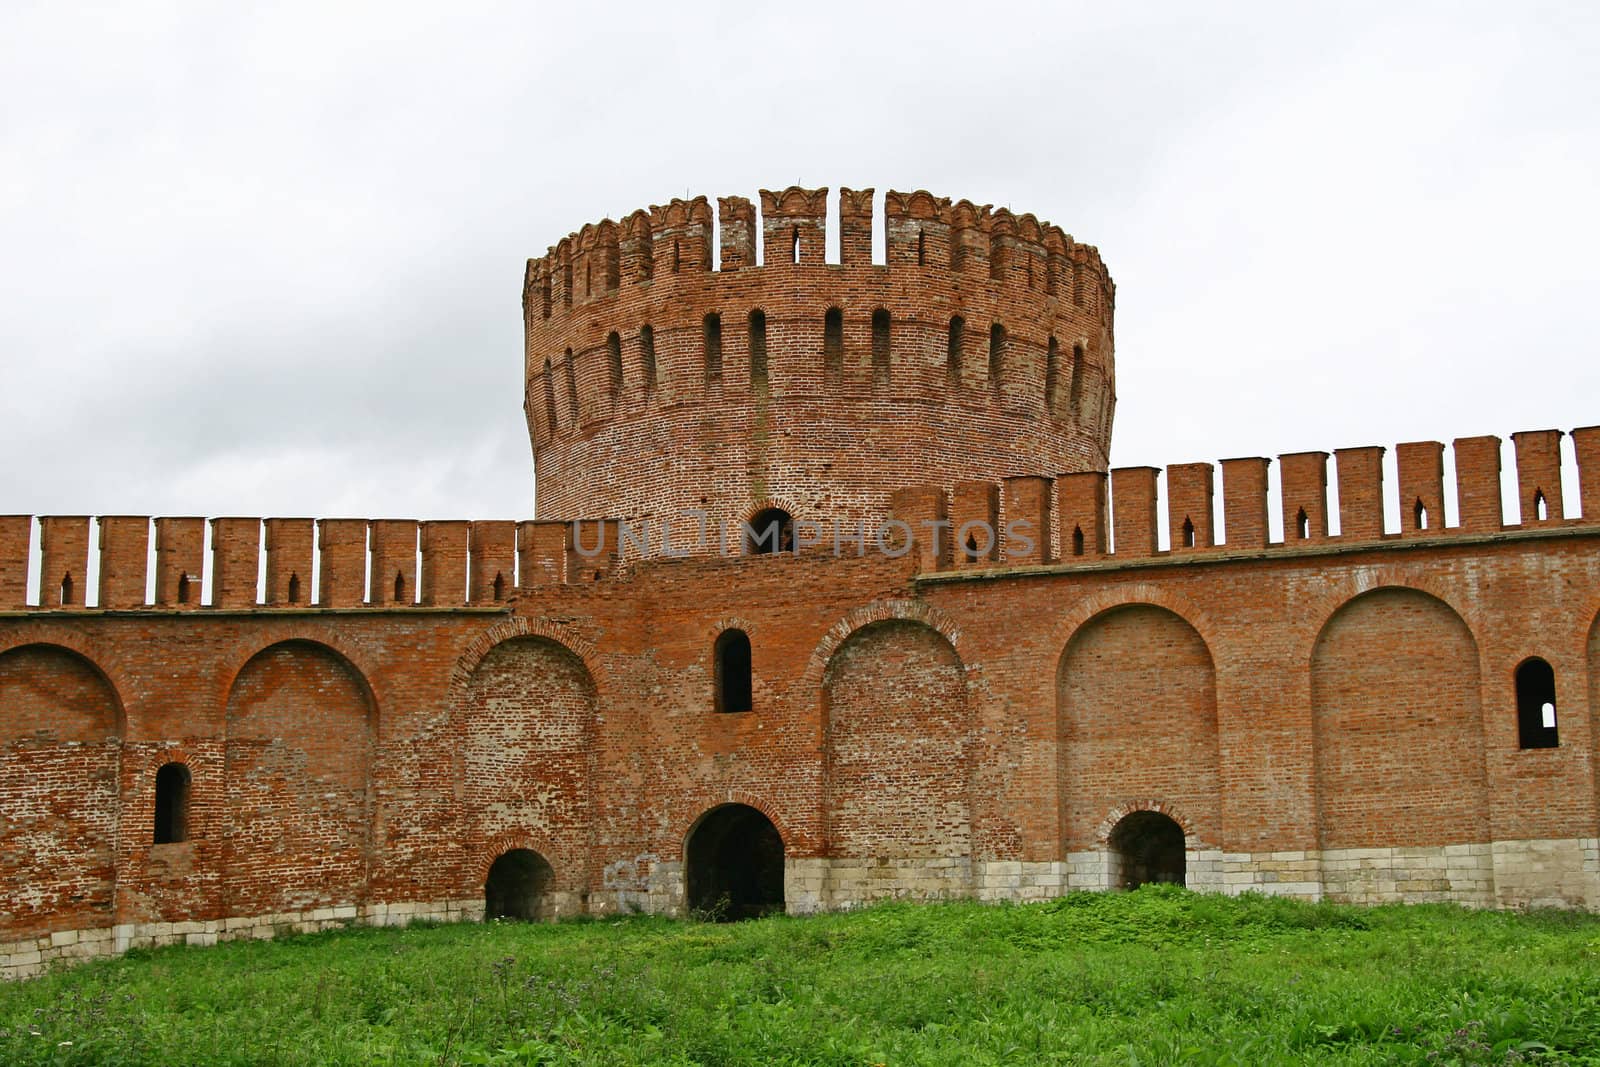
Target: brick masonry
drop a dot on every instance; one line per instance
(1331, 716)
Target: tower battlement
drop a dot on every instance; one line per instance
(659, 380)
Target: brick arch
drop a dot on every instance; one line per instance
(1152, 594)
(882, 611)
(1398, 745)
(268, 637)
(509, 629)
(788, 504)
(704, 802)
(91, 656)
(1135, 691)
(716, 627)
(493, 848)
(1356, 584)
(1156, 804)
(61, 843)
(523, 707)
(300, 741)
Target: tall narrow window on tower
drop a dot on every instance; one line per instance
(713, 346)
(833, 344)
(647, 352)
(733, 690)
(1052, 369)
(758, 346)
(958, 326)
(549, 396)
(1075, 391)
(614, 362)
(572, 387)
(997, 356)
(880, 345)
(1536, 705)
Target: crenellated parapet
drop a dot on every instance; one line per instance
(1136, 514)
(170, 564)
(725, 348)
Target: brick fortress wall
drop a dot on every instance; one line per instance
(370, 714)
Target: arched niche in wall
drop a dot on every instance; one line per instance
(301, 726)
(60, 757)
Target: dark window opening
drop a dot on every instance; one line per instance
(66, 589)
(1541, 510)
(972, 546)
(833, 344)
(1302, 524)
(499, 586)
(1146, 846)
(614, 361)
(1536, 705)
(172, 804)
(399, 588)
(922, 248)
(997, 349)
(771, 531)
(880, 345)
(1077, 540)
(1075, 391)
(758, 345)
(647, 346)
(183, 588)
(677, 255)
(294, 589)
(572, 386)
(1052, 370)
(734, 865)
(958, 326)
(794, 247)
(713, 345)
(1188, 532)
(732, 672)
(1419, 514)
(588, 280)
(518, 886)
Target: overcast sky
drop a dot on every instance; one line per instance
(269, 261)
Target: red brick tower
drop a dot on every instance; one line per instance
(659, 385)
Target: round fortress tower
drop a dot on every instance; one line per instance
(659, 384)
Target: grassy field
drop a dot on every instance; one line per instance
(1155, 976)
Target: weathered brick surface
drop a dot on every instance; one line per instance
(1332, 715)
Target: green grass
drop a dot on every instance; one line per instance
(1156, 976)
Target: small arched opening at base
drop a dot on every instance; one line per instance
(518, 886)
(733, 863)
(1146, 846)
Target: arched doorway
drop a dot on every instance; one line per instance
(1146, 846)
(734, 865)
(517, 886)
